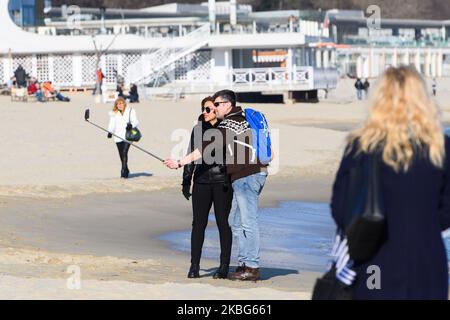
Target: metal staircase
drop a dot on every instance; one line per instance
(152, 65)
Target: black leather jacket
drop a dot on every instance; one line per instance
(204, 173)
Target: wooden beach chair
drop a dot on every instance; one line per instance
(109, 94)
(19, 94)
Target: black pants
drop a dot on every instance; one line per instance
(123, 148)
(203, 196)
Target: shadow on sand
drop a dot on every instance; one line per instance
(266, 273)
(139, 174)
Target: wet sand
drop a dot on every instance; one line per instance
(113, 237)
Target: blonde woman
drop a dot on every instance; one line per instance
(122, 118)
(404, 131)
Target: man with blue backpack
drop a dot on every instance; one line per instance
(246, 139)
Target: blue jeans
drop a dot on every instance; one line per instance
(243, 218)
(359, 94)
(40, 96)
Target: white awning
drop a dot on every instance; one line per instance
(269, 58)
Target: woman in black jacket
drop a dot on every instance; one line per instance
(211, 186)
(404, 131)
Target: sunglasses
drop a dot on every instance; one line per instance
(216, 104)
(207, 109)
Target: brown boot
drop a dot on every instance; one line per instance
(240, 269)
(247, 274)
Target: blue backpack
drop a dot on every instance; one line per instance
(261, 136)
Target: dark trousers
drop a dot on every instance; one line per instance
(123, 148)
(98, 87)
(203, 196)
(133, 98)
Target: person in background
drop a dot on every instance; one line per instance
(99, 81)
(434, 87)
(119, 78)
(404, 132)
(32, 88)
(39, 93)
(21, 77)
(359, 88)
(133, 94)
(119, 90)
(212, 185)
(366, 87)
(35, 89)
(50, 91)
(122, 118)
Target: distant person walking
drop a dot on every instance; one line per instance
(99, 81)
(122, 118)
(366, 87)
(359, 88)
(403, 132)
(212, 185)
(434, 87)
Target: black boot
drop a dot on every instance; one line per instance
(194, 271)
(222, 272)
(124, 173)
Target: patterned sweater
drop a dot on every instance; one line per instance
(241, 160)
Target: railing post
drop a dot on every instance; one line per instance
(77, 70)
(294, 73)
(51, 69)
(34, 65)
(270, 76)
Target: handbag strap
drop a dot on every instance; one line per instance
(129, 115)
(374, 204)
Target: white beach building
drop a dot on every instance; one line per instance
(177, 49)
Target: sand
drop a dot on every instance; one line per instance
(62, 203)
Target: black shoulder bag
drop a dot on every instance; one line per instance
(366, 227)
(132, 134)
(367, 230)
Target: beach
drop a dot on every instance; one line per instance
(62, 203)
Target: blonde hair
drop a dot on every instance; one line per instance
(402, 120)
(119, 99)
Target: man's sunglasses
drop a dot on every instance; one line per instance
(216, 104)
(207, 109)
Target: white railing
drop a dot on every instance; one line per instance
(149, 65)
(307, 28)
(272, 77)
(255, 80)
(69, 70)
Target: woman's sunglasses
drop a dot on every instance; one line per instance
(207, 109)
